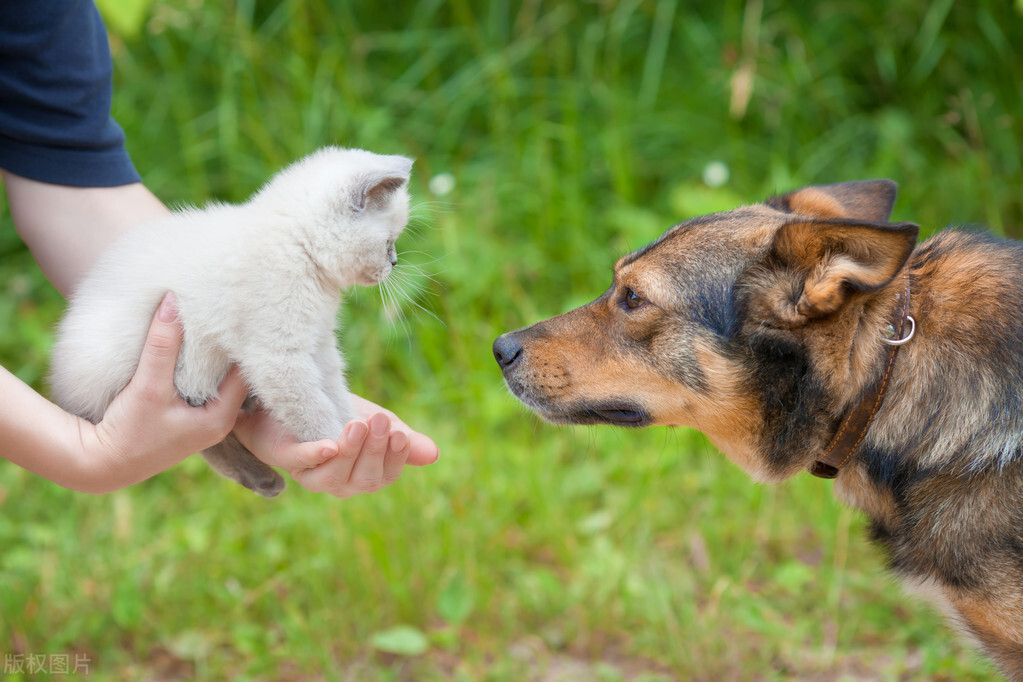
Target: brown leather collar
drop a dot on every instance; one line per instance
(854, 426)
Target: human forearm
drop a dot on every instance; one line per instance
(48, 441)
(147, 428)
(67, 228)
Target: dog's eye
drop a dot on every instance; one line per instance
(632, 299)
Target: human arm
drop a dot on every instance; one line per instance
(66, 228)
(145, 430)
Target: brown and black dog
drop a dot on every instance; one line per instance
(770, 329)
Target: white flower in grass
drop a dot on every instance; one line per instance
(715, 174)
(442, 184)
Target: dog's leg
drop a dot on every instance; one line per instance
(997, 625)
(1008, 657)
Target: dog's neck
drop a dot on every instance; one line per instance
(854, 426)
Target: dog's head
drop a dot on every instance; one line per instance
(749, 325)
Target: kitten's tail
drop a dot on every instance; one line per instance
(232, 459)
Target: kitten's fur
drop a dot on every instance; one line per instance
(257, 285)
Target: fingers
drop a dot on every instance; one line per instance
(398, 448)
(268, 440)
(422, 450)
(370, 456)
(160, 352)
(231, 392)
(305, 456)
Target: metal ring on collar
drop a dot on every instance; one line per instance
(905, 339)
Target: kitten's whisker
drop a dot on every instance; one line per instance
(431, 207)
(407, 287)
(420, 253)
(392, 306)
(418, 269)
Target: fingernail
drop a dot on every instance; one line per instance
(168, 309)
(327, 453)
(399, 441)
(379, 425)
(357, 432)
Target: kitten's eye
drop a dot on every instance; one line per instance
(632, 299)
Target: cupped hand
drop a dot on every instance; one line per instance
(370, 453)
(422, 449)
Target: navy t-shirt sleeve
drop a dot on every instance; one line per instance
(55, 92)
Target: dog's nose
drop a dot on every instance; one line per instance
(506, 350)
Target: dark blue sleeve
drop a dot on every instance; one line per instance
(55, 91)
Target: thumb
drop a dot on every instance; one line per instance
(232, 390)
(160, 353)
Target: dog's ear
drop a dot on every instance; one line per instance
(867, 200)
(831, 259)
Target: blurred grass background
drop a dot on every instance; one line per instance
(573, 132)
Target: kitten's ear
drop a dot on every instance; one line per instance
(374, 189)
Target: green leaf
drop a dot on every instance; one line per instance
(596, 523)
(124, 17)
(402, 640)
(456, 600)
(126, 604)
(190, 645)
(795, 576)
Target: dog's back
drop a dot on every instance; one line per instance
(946, 454)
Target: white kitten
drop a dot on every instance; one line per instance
(257, 285)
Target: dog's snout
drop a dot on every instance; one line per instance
(507, 350)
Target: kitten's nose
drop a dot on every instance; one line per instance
(392, 256)
(507, 350)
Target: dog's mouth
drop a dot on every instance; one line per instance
(558, 410)
(622, 416)
(612, 415)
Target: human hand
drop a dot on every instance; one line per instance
(370, 453)
(422, 449)
(148, 427)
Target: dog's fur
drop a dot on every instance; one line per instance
(762, 326)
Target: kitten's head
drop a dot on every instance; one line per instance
(350, 205)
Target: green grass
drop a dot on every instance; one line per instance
(575, 132)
